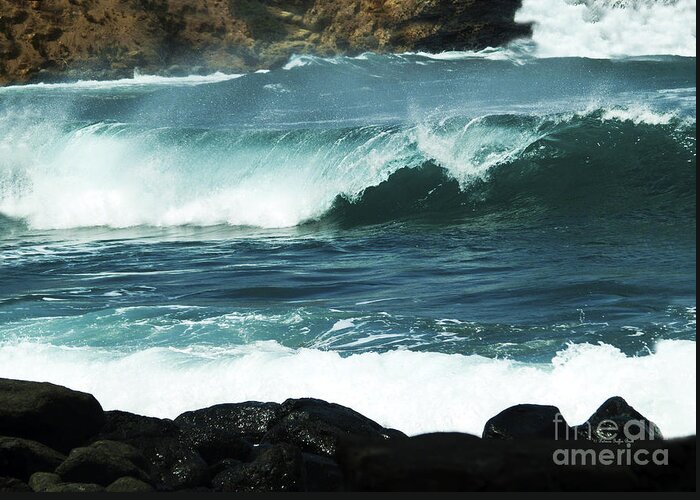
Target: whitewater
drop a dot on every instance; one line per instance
(455, 233)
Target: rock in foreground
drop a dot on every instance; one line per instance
(314, 445)
(458, 462)
(48, 413)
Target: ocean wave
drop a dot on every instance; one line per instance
(428, 391)
(141, 81)
(120, 175)
(604, 29)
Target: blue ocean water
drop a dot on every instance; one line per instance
(426, 239)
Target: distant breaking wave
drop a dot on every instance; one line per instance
(610, 28)
(119, 175)
(138, 80)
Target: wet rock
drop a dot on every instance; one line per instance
(278, 468)
(616, 421)
(74, 488)
(13, 485)
(102, 463)
(173, 462)
(321, 473)
(225, 464)
(318, 427)
(459, 462)
(48, 413)
(227, 430)
(41, 481)
(125, 426)
(225, 422)
(20, 458)
(528, 422)
(129, 485)
(175, 465)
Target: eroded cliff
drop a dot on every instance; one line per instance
(64, 39)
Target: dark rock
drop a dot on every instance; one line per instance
(226, 431)
(321, 473)
(48, 413)
(129, 485)
(41, 481)
(617, 421)
(528, 422)
(459, 462)
(74, 488)
(173, 463)
(125, 426)
(229, 422)
(102, 462)
(318, 427)
(13, 485)
(278, 468)
(20, 458)
(198, 489)
(225, 464)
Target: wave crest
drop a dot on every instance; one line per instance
(119, 175)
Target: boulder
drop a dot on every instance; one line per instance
(222, 465)
(48, 413)
(617, 422)
(74, 488)
(21, 458)
(129, 485)
(321, 473)
(13, 485)
(125, 426)
(42, 481)
(102, 463)
(173, 462)
(459, 462)
(528, 422)
(318, 427)
(276, 468)
(223, 422)
(227, 430)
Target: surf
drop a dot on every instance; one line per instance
(119, 175)
(429, 391)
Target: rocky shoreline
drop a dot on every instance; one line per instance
(53, 439)
(102, 39)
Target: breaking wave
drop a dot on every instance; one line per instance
(121, 175)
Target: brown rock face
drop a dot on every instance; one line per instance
(63, 39)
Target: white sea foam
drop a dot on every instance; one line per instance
(610, 28)
(637, 115)
(138, 80)
(416, 392)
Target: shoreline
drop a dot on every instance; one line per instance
(55, 439)
(65, 39)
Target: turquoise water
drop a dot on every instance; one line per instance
(384, 228)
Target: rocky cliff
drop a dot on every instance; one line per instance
(68, 39)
